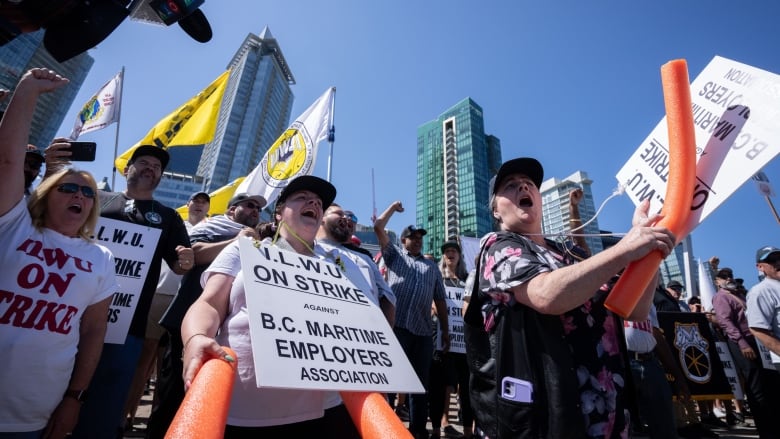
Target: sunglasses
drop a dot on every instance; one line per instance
(346, 215)
(72, 188)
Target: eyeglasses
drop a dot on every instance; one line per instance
(72, 188)
(251, 205)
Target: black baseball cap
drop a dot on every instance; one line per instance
(243, 196)
(160, 153)
(524, 165)
(201, 195)
(410, 230)
(323, 188)
(450, 244)
(763, 253)
(35, 153)
(675, 285)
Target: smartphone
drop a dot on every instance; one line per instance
(82, 151)
(514, 389)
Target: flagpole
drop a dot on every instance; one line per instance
(118, 121)
(332, 132)
(772, 207)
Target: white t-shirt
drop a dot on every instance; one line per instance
(249, 405)
(639, 335)
(47, 280)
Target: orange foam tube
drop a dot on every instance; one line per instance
(204, 410)
(373, 416)
(679, 188)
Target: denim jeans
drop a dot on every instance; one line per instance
(654, 395)
(419, 351)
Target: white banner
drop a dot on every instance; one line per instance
(312, 328)
(133, 246)
(735, 108)
(455, 321)
(729, 368)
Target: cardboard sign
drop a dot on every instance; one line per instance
(735, 110)
(311, 328)
(133, 246)
(454, 320)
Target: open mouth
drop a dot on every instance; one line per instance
(309, 213)
(525, 202)
(75, 208)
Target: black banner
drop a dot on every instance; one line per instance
(692, 343)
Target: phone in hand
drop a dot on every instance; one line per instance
(82, 151)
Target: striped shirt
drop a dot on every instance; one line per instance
(416, 282)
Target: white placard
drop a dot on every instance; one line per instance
(729, 368)
(735, 108)
(769, 359)
(454, 320)
(311, 328)
(133, 246)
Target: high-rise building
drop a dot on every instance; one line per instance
(26, 52)
(555, 209)
(255, 111)
(455, 162)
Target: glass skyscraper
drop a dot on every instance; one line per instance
(455, 162)
(255, 111)
(25, 52)
(555, 209)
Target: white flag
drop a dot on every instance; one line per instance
(706, 287)
(294, 152)
(101, 110)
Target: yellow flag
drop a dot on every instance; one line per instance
(192, 124)
(219, 199)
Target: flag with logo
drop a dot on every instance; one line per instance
(294, 152)
(192, 124)
(101, 110)
(763, 185)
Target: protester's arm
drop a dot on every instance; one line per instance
(388, 309)
(206, 252)
(381, 223)
(92, 331)
(440, 301)
(561, 290)
(575, 196)
(201, 323)
(15, 131)
(767, 338)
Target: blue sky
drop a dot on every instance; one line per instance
(573, 84)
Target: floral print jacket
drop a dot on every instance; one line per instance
(592, 333)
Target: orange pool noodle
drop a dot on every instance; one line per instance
(373, 416)
(204, 410)
(679, 188)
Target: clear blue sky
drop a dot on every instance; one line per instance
(574, 84)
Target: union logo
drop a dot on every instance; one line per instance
(288, 157)
(693, 352)
(92, 110)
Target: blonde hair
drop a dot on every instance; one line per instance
(37, 202)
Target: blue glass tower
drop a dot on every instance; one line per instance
(455, 162)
